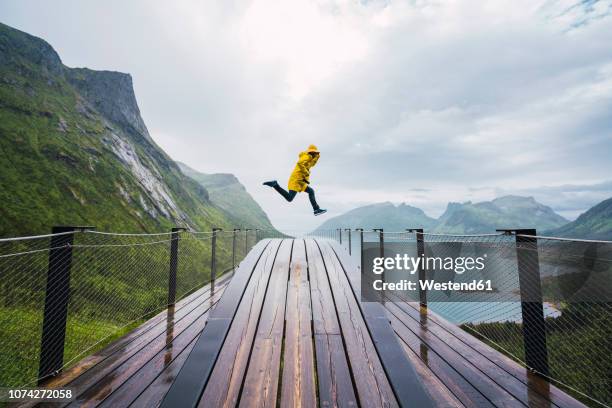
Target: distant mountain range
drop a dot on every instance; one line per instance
(483, 217)
(381, 215)
(74, 150)
(502, 212)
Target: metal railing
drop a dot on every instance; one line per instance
(66, 295)
(550, 310)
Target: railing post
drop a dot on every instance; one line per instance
(174, 242)
(381, 241)
(420, 244)
(381, 248)
(340, 232)
(246, 241)
(57, 296)
(348, 230)
(360, 230)
(213, 258)
(532, 309)
(236, 230)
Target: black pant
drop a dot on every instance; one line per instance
(290, 195)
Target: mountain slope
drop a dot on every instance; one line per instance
(502, 212)
(381, 215)
(225, 191)
(75, 150)
(596, 223)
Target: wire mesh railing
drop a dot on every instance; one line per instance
(66, 295)
(549, 308)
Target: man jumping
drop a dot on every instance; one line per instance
(300, 179)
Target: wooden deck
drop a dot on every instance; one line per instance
(289, 330)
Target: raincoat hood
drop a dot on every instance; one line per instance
(312, 149)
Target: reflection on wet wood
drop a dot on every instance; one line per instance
(184, 330)
(371, 382)
(227, 377)
(335, 385)
(298, 377)
(261, 381)
(465, 392)
(537, 388)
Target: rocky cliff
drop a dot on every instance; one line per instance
(74, 149)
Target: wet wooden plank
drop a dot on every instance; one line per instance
(535, 383)
(225, 382)
(371, 382)
(154, 393)
(261, 380)
(335, 385)
(491, 390)
(334, 378)
(509, 383)
(186, 329)
(324, 318)
(191, 381)
(439, 393)
(407, 385)
(461, 389)
(121, 345)
(298, 378)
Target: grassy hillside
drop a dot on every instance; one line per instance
(596, 223)
(226, 191)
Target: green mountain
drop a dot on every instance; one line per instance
(466, 218)
(503, 212)
(75, 150)
(225, 191)
(596, 223)
(381, 215)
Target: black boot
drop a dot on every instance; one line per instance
(271, 183)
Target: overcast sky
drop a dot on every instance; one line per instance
(422, 102)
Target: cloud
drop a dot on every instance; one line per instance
(424, 101)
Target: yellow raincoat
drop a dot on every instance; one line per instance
(301, 172)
